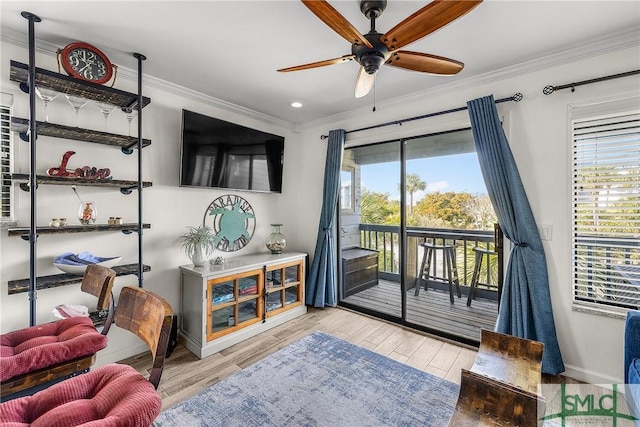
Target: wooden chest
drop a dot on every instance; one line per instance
(359, 270)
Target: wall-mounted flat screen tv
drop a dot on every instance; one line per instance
(220, 154)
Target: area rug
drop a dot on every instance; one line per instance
(320, 380)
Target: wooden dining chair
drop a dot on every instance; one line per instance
(111, 395)
(98, 281)
(150, 317)
(36, 357)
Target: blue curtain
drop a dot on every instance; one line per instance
(525, 307)
(321, 286)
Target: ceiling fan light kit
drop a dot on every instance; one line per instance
(369, 7)
(374, 49)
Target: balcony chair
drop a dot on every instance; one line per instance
(481, 254)
(111, 395)
(36, 357)
(449, 268)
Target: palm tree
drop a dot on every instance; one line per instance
(413, 184)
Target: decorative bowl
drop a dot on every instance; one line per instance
(77, 263)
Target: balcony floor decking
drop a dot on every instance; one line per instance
(431, 309)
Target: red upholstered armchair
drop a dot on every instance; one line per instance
(36, 357)
(114, 394)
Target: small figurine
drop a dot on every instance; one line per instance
(87, 214)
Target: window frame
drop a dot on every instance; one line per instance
(352, 197)
(7, 150)
(612, 281)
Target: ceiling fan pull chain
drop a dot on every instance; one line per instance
(374, 92)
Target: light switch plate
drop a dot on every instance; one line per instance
(546, 231)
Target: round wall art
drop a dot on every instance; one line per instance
(232, 220)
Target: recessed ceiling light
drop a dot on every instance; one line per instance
(296, 104)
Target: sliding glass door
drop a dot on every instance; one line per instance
(419, 209)
(370, 230)
(450, 222)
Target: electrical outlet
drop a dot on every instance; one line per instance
(546, 231)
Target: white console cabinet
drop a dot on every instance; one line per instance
(222, 305)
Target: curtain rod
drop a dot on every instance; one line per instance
(517, 97)
(548, 90)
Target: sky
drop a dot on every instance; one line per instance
(459, 173)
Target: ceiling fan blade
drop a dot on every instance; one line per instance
(424, 62)
(344, 58)
(336, 21)
(364, 83)
(425, 21)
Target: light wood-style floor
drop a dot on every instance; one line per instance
(185, 375)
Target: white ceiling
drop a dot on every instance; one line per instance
(231, 50)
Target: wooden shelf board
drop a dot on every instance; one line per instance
(58, 280)
(245, 298)
(21, 125)
(219, 305)
(69, 85)
(24, 231)
(58, 180)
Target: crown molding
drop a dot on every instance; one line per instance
(49, 49)
(157, 83)
(588, 49)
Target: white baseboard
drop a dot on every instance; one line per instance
(590, 377)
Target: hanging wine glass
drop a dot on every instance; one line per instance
(46, 95)
(130, 114)
(106, 109)
(77, 103)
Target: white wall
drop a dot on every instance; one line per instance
(167, 207)
(537, 128)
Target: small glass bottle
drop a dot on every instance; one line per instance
(87, 213)
(276, 241)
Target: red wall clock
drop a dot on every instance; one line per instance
(86, 62)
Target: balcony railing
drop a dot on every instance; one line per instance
(385, 239)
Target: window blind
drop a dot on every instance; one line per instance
(6, 195)
(606, 209)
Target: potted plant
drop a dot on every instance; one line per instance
(198, 243)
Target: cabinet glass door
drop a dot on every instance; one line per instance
(234, 302)
(283, 287)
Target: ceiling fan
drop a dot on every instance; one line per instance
(373, 49)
